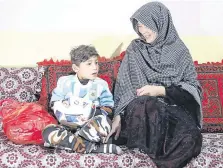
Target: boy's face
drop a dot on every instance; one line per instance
(87, 69)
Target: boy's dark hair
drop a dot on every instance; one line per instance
(82, 53)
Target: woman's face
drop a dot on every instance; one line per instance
(147, 33)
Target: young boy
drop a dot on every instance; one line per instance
(81, 103)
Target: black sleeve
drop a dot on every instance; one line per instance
(177, 95)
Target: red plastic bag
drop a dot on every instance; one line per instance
(23, 122)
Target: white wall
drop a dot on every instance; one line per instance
(198, 17)
(38, 29)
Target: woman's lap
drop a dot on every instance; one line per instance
(168, 134)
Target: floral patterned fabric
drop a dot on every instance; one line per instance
(22, 156)
(20, 84)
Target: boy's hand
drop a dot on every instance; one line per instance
(151, 90)
(116, 128)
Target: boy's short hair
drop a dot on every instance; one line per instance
(82, 53)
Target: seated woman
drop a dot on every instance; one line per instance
(157, 94)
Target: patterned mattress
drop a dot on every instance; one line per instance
(25, 156)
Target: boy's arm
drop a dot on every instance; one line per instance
(106, 100)
(58, 92)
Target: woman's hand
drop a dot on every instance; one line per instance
(116, 128)
(151, 90)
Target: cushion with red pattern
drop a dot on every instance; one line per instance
(108, 69)
(210, 76)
